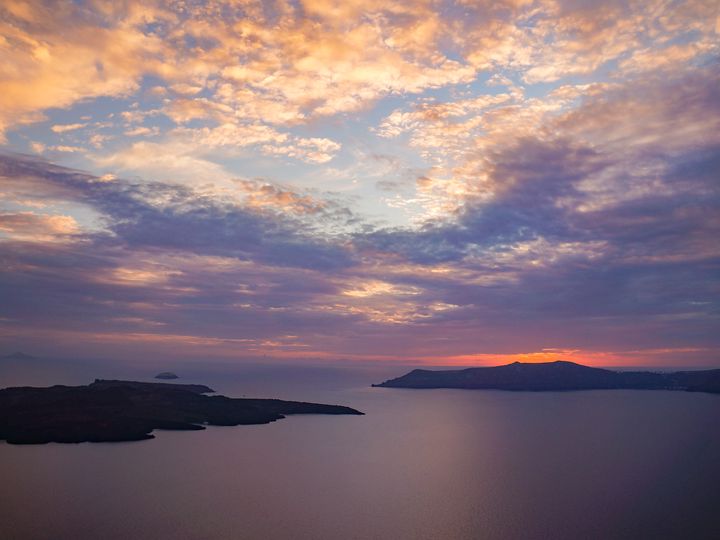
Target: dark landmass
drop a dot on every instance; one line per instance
(18, 356)
(113, 411)
(168, 375)
(551, 376)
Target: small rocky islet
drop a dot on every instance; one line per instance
(167, 375)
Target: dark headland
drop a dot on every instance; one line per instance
(113, 411)
(553, 376)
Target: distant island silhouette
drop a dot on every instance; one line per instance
(113, 411)
(552, 376)
(167, 375)
(18, 356)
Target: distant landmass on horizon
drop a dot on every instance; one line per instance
(18, 356)
(553, 376)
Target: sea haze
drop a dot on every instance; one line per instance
(456, 464)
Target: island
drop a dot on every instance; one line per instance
(553, 376)
(114, 411)
(167, 375)
(18, 356)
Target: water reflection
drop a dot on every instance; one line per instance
(420, 464)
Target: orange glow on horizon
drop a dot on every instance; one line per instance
(291, 348)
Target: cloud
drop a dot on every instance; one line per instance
(290, 63)
(62, 128)
(29, 226)
(507, 275)
(147, 215)
(557, 162)
(601, 216)
(275, 66)
(46, 66)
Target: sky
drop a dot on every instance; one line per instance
(427, 182)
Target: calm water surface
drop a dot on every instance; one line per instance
(428, 464)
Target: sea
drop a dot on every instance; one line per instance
(420, 464)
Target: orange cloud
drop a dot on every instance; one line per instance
(32, 227)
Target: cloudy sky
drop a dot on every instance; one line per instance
(440, 182)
